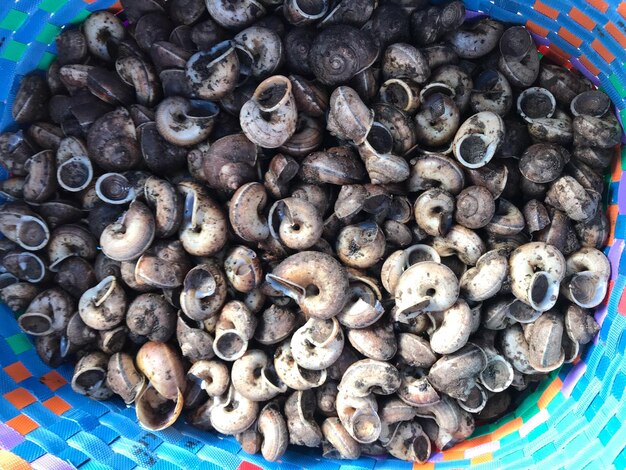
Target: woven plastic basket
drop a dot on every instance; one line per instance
(576, 419)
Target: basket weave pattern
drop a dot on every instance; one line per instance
(576, 419)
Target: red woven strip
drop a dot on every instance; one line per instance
(248, 466)
(546, 10)
(622, 9)
(569, 37)
(603, 51)
(582, 19)
(559, 55)
(616, 33)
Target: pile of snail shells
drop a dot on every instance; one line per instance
(340, 224)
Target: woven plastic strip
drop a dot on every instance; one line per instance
(577, 419)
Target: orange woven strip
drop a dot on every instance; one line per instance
(507, 429)
(550, 392)
(477, 441)
(535, 28)
(616, 164)
(622, 9)
(488, 457)
(11, 461)
(546, 10)
(22, 424)
(53, 380)
(599, 5)
(616, 33)
(17, 372)
(57, 405)
(603, 51)
(423, 466)
(582, 19)
(611, 213)
(588, 65)
(20, 398)
(569, 37)
(453, 454)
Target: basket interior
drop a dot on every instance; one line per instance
(574, 419)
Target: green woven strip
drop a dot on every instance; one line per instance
(51, 5)
(619, 87)
(14, 51)
(45, 61)
(13, 20)
(80, 17)
(48, 33)
(19, 343)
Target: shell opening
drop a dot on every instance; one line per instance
(287, 288)
(396, 93)
(536, 103)
(270, 97)
(75, 174)
(32, 233)
(380, 138)
(229, 346)
(516, 43)
(587, 289)
(365, 425)
(475, 150)
(498, 375)
(30, 267)
(542, 292)
(114, 188)
(421, 448)
(36, 324)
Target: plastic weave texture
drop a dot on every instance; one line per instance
(576, 419)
